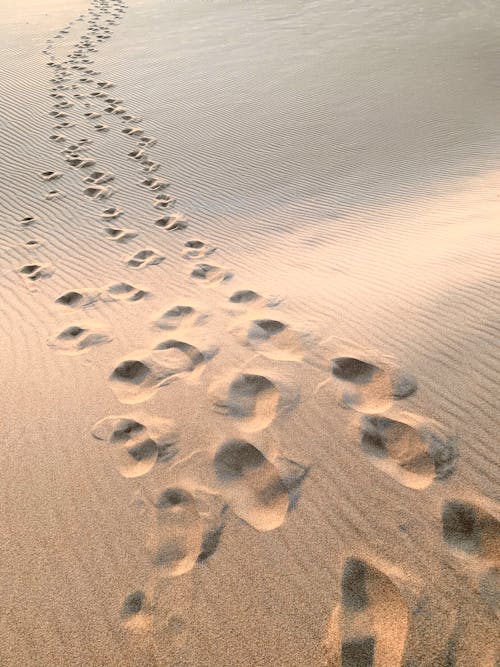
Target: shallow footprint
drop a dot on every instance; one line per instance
(98, 192)
(78, 338)
(272, 338)
(251, 485)
(368, 387)
(197, 249)
(210, 274)
(119, 234)
(144, 258)
(254, 399)
(177, 536)
(137, 446)
(78, 299)
(50, 175)
(124, 292)
(471, 530)
(111, 213)
(36, 271)
(179, 316)
(408, 449)
(370, 626)
(171, 223)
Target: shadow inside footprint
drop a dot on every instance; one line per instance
(471, 530)
(251, 485)
(412, 454)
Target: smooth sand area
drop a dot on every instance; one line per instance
(249, 321)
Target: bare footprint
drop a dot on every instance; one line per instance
(408, 449)
(370, 626)
(251, 485)
(137, 445)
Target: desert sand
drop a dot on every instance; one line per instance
(250, 319)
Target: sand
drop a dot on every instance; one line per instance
(250, 321)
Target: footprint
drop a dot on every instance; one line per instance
(137, 446)
(101, 127)
(368, 387)
(125, 292)
(471, 530)
(53, 194)
(136, 612)
(155, 183)
(251, 485)
(171, 222)
(74, 299)
(137, 378)
(408, 449)
(31, 244)
(245, 296)
(253, 399)
(35, 271)
(149, 165)
(119, 234)
(210, 274)
(163, 201)
(133, 131)
(99, 177)
(80, 162)
(197, 249)
(111, 213)
(50, 175)
(137, 154)
(147, 141)
(370, 626)
(78, 338)
(28, 220)
(144, 258)
(98, 191)
(182, 360)
(177, 534)
(179, 316)
(272, 338)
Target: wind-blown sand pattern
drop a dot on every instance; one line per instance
(250, 318)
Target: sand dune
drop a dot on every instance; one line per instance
(271, 437)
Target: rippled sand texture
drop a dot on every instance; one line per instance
(250, 320)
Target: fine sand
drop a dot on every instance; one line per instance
(250, 326)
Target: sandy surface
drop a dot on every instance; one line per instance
(249, 324)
